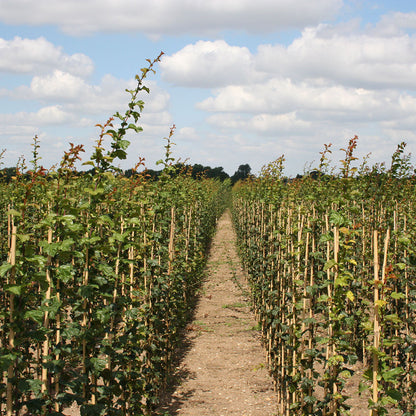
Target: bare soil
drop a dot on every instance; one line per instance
(223, 367)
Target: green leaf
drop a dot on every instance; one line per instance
(4, 268)
(14, 213)
(396, 295)
(67, 244)
(16, 290)
(30, 385)
(137, 129)
(404, 239)
(310, 399)
(380, 303)
(36, 315)
(336, 219)
(392, 318)
(309, 321)
(93, 409)
(392, 374)
(342, 281)
(23, 237)
(98, 364)
(120, 154)
(394, 394)
(329, 264)
(323, 298)
(124, 144)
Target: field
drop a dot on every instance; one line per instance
(99, 272)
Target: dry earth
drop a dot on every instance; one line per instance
(223, 371)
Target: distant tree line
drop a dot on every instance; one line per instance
(197, 171)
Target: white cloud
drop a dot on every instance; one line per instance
(58, 86)
(62, 107)
(44, 116)
(186, 133)
(321, 54)
(53, 115)
(272, 123)
(280, 96)
(79, 97)
(263, 124)
(322, 79)
(208, 64)
(40, 56)
(362, 60)
(160, 118)
(168, 16)
(395, 23)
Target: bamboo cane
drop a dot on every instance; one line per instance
(329, 293)
(171, 251)
(364, 262)
(58, 340)
(84, 323)
(334, 405)
(376, 341)
(45, 349)
(10, 371)
(407, 311)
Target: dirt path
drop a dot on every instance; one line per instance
(223, 371)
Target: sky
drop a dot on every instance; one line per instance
(244, 82)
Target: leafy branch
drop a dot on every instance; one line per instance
(102, 160)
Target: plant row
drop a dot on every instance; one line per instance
(97, 276)
(331, 264)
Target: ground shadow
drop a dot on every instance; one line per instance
(169, 404)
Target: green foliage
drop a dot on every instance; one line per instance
(101, 159)
(308, 247)
(99, 280)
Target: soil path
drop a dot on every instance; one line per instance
(223, 369)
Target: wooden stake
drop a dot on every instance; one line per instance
(58, 340)
(376, 342)
(84, 323)
(45, 348)
(171, 240)
(10, 371)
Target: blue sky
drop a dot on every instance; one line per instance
(243, 81)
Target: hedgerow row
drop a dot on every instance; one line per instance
(97, 275)
(96, 285)
(331, 263)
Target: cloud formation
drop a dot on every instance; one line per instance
(364, 60)
(324, 75)
(39, 56)
(367, 60)
(234, 95)
(172, 17)
(208, 64)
